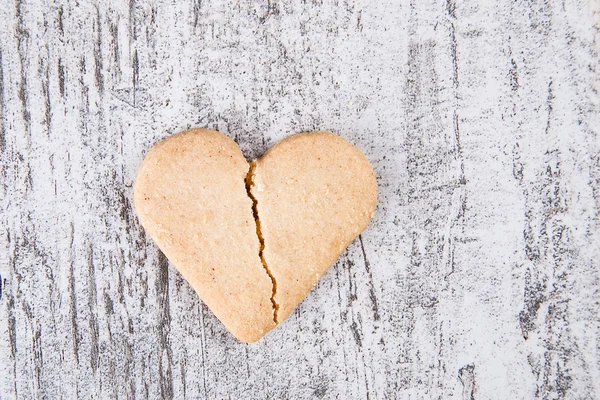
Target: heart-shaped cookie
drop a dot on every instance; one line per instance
(253, 239)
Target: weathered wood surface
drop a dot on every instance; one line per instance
(477, 279)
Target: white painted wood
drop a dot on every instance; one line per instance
(477, 279)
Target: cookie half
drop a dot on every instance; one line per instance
(190, 196)
(315, 193)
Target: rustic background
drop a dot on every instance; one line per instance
(477, 279)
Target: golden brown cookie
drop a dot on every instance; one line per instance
(252, 241)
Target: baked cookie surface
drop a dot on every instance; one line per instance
(252, 240)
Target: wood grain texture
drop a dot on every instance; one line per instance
(477, 279)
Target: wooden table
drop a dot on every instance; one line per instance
(478, 277)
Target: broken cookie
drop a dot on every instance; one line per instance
(253, 239)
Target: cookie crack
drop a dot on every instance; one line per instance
(249, 184)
